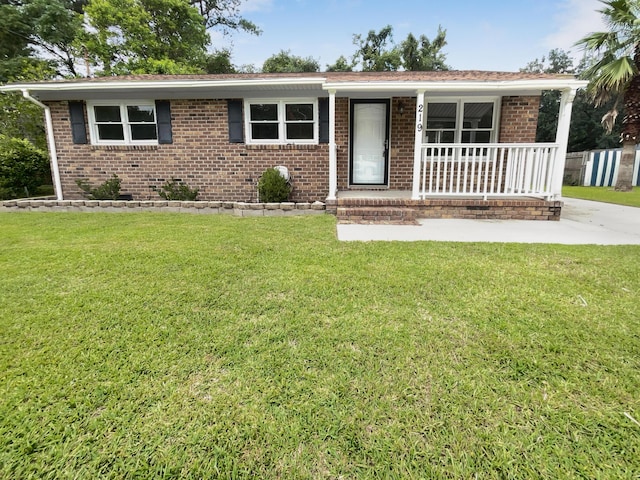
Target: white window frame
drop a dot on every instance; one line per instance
(282, 121)
(123, 104)
(460, 102)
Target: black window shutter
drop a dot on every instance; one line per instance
(78, 124)
(163, 114)
(323, 116)
(236, 124)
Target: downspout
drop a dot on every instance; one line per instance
(50, 142)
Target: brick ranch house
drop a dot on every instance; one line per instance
(441, 144)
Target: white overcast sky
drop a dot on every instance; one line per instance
(502, 35)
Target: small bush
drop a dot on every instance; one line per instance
(23, 168)
(273, 187)
(109, 190)
(174, 190)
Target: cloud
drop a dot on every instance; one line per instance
(574, 20)
(255, 6)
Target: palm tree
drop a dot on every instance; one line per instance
(616, 75)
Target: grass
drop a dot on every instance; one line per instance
(604, 194)
(183, 346)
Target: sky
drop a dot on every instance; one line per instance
(499, 35)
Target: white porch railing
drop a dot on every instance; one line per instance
(487, 169)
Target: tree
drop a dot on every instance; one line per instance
(376, 52)
(616, 75)
(341, 65)
(585, 133)
(219, 61)
(224, 14)
(285, 62)
(557, 61)
(422, 54)
(31, 29)
(145, 36)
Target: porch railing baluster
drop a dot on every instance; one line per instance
(487, 169)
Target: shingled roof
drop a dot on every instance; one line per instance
(436, 76)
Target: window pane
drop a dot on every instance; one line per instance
(143, 132)
(110, 131)
(138, 113)
(476, 137)
(107, 114)
(478, 115)
(439, 136)
(264, 112)
(264, 131)
(441, 115)
(302, 111)
(300, 131)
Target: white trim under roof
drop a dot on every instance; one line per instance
(454, 86)
(229, 87)
(161, 84)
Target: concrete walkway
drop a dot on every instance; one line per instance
(582, 223)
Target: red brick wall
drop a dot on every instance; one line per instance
(402, 143)
(342, 141)
(200, 155)
(519, 119)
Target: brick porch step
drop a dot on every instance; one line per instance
(376, 214)
(405, 211)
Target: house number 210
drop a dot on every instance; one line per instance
(419, 122)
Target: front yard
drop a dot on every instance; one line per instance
(604, 194)
(184, 346)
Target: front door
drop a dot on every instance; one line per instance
(369, 142)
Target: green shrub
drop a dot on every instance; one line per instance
(109, 190)
(273, 187)
(174, 190)
(23, 168)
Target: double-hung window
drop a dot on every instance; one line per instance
(123, 123)
(461, 121)
(281, 121)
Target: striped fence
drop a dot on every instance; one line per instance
(601, 168)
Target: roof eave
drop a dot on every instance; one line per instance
(160, 84)
(458, 86)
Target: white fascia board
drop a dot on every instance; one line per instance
(458, 86)
(160, 84)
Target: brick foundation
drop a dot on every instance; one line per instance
(367, 210)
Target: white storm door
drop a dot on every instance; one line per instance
(369, 141)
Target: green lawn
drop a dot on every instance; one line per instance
(140, 345)
(604, 194)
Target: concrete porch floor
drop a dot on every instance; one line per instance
(406, 195)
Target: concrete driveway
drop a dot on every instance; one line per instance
(582, 223)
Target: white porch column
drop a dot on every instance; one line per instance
(333, 154)
(562, 139)
(417, 145)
